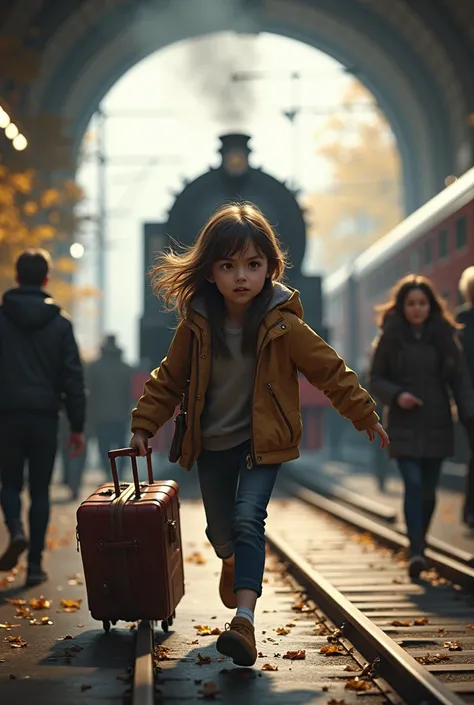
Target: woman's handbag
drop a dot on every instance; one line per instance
(181, 417)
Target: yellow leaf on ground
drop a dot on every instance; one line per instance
(358, 685)
(40, 604)
(295, 655)
(282, 631)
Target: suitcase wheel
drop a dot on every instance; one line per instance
(106, 625)
(165, 625)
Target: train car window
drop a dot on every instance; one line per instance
(442, 244)
(414, 261)
(461, 232)
(428, 258)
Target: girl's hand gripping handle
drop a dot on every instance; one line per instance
(139, 441)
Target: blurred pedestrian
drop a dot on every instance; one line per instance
(72, 467)
(109, 384)
(465, 316)
(40, 370)
(417, 364)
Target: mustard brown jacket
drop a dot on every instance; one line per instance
(286, 346)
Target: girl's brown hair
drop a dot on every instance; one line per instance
(398, 294)
(178, 278)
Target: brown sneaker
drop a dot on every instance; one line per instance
(238, 642)
(226, 586)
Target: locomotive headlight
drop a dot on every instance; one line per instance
(235, 163)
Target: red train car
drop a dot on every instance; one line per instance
(437, 240)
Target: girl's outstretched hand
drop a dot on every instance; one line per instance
(378, 430)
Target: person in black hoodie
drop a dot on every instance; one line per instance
(465, 316)
(40, 371)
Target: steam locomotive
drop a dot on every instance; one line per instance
(234, 179)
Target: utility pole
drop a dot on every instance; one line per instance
(292, 114)
(102, 217)
(103, 162)
(296, 108)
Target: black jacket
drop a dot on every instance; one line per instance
(432, 368)
(465, 315)
(40, 369)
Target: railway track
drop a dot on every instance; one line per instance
(302, 476)
(413, 642)
(417, 637)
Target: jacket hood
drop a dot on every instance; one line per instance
(283, 297)
(29, 307)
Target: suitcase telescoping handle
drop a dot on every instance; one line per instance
(132, 454)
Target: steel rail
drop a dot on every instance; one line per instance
(447, 566)
(403, 673)
(143, 686)
(301, 474)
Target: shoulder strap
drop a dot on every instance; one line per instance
(185, 399)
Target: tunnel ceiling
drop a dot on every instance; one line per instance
(416, 56)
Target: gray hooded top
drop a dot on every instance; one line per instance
(225, 425)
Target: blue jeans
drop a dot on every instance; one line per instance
(235, 501)
(420, 476)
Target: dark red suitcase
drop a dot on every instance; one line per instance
(130, 541)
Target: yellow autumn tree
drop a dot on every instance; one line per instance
(33, 215)
(363, 199)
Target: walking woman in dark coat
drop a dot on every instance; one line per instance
(465, 316)
(417, 366)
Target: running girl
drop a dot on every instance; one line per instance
(247, 341)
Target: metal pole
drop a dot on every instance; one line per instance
(102, 218)
(296, 108)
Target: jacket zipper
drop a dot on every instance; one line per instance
(280, 409)
(250, 459)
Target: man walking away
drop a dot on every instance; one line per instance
(465, 315)
(109, 384)
(40, 370)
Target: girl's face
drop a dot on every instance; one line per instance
(416, 307)
(240, 278)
